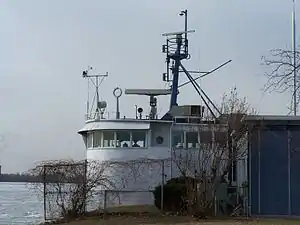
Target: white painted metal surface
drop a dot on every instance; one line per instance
(150, 175)
(116, 125)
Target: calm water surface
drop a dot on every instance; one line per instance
(19, 205)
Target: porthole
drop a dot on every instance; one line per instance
(159, 140)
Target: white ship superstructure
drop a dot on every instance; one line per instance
(182, 135)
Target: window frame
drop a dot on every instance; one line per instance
(146, 132)
(92, 133)
(185, 143)
(115, 139)
(130, 138)
(182, 138)
(186, 140)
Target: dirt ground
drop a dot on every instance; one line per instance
(179, 221)
(155, 218)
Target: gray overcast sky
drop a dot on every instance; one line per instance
(45, 45)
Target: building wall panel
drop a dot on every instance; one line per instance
(273, 172)
(274, 165)
(295, 171)
(253, 169)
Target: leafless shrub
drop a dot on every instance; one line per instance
(67, 187)
(216, 154)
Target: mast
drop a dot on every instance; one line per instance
(95, 109)
(176, 50)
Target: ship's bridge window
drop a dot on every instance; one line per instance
(89, 140)
(97, 139)
(108, 139)
(177, 139)
(192, 140)
(123, 139)
(138, 139)
(120, 139)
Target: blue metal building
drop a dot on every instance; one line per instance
(274, 165)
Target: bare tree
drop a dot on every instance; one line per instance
(217, 152)
(67, 187)
(233, 103)
(280, 70)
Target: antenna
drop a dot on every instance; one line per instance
(100, 106)
(117, 93)
(176, 50)
(177, 33)
(152, 93)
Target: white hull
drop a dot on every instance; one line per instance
(136, 178)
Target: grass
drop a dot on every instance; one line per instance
(150, 215)
(177, 220)
(151, 209)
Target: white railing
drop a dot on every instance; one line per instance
(104, 116)
(98, 115)
(110, 116)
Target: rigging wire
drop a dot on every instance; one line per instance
(206, 74)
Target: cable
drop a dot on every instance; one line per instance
(204, 75)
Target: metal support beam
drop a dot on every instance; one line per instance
(205, 74)
(200, 92)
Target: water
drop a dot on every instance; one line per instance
(19, 205)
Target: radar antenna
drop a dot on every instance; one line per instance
(95, 108)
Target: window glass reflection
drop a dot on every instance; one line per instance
(97, 139)
(89, 140)
(191, 139)
(138, 139)
(177, 139)
(123, 139)
(108, 139)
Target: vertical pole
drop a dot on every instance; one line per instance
(85, 185)
(185, 28)
(289, 172)
(97, 90)
(118, 109)
(105, 202)
(172, 151)
(88, 99)
(97, 99)
(294, 61)
(171, 165)
(259, 178)
(232, 159)
(185, 23)
(136, 111)
(249, 162)
(162, 185)
(244, 187)
(215, 205)
(44, 183)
